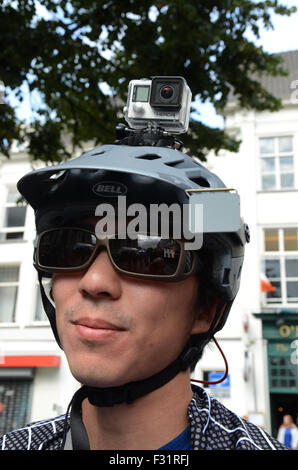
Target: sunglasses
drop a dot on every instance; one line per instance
(69, 249)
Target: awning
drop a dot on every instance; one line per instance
(30, 361)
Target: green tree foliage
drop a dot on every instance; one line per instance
(72, 52)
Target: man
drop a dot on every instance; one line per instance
(133, 313)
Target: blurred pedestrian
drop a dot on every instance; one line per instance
(288, 433)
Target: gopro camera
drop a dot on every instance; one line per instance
(161, 101)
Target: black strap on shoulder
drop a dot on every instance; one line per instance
(79, 435)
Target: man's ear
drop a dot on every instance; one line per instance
(205, 316)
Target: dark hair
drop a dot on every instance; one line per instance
(207, 292)
(207, 296)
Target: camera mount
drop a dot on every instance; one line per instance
(152, 135)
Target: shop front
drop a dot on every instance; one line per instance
(281, 332)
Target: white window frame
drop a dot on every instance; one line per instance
(282, 255)
(11, 284)
(277, 155)
(38, 301)
(5, 230)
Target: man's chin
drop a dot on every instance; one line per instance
(98, 382)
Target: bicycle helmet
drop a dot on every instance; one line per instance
(147, 175)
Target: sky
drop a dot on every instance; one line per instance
(284, 37)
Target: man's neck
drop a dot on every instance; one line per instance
(148, 423)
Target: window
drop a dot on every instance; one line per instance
(40, 314)
(9, 279)
(15, 399)
(280, 264)
(277, 163)
(282, 373)
(13, 217)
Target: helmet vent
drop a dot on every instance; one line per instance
(149, 157)
(200, 181)
(57, 175)
(176, 163)
(98, 153)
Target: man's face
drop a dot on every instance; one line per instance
(115, 329)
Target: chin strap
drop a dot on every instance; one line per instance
(128, 393)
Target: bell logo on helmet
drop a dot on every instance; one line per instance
(109, 189)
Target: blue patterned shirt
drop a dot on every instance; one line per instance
(212, 427)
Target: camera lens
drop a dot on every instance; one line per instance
(166, 92)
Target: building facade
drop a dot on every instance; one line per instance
(34, 378)
(261, 334)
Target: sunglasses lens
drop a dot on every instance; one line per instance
(70, 248)
(146, 255)
(65, 248)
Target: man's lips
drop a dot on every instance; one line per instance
(95, 329)
(97, 323)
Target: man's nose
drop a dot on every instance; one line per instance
(101, 279)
